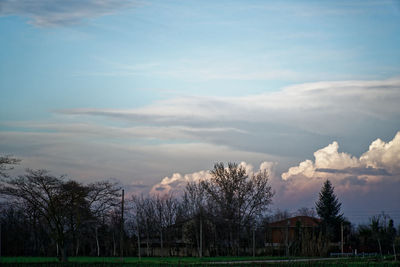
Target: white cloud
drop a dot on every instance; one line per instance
(356, 180)
(366, 183)
(47, 13)
(89, 157)
(309, 106)
(383, 155)
(185, 134)
(380, 161)
(325, 158)
(293, 121)
(177, 182)
(125, 132)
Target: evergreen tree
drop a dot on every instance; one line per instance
(328, 209)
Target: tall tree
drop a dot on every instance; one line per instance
(383, 232)
(328, 209)
(194, 203)
(63, 204)
(237, 197)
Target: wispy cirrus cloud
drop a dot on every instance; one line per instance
(89, 156)
(50, 13)
(310, 101)
(219, 65)
(313, 113)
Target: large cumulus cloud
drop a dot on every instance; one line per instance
(177, 182)
(383, 155)
(365, 185)
(382, 159)
(376, 168)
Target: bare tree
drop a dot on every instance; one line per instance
(194, 203)
(237, 197)
(146, 219)
(383, 232)
(170, 215)
(165, 209)
(159, 205)
(63, 204)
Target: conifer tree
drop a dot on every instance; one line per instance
(328, 209)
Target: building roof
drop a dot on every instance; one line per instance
(305, 221)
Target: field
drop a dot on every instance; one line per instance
(190, 261)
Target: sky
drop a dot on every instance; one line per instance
(153, 93)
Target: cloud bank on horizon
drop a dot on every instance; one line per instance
(376, 171)
(381, 161)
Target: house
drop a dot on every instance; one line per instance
(285, 232)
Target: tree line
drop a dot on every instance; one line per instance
(47, 215)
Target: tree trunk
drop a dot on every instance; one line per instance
(380, 247)
(97, 243)
(139, 252)
(77, 247)
(147, 244)
(63, 249)
(114, 246)
(201, 237)
(161, 242)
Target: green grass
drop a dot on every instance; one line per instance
(27, 259)
(152, 260)
(176, 261)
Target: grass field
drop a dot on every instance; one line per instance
(187, 261)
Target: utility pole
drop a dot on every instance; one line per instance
(122, 226)
(0, 241)
(287, 238)
(254, 242)
(201, 237)
(341, 231)
(138, 236)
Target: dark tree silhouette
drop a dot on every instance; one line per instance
(328, 209)
(237, 198)
(64, 205)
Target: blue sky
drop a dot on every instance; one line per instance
(142, 90)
